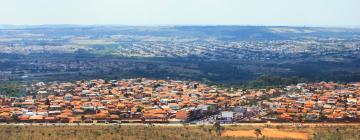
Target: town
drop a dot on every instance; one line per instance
(232, 55)
(179, 70)
(143, 100)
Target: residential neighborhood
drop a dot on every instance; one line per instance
(143, 100)
(179, 70)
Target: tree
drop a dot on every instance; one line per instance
(139, 108)
(217, 127)
(11, 89)
(15, 118)
(257, 133)
(82, 117)
(47, 101)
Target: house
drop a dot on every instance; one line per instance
(68, 97)
(227, 116)
(37, 118)
(50, 119)
(182, 115)
(24, 118)
(286, 116)
(280, 110)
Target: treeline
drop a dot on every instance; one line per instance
(268, 81)
(11, 89)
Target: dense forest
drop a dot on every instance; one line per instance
(252, 74)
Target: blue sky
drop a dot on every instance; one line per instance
(182, 12)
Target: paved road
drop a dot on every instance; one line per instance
(178, 124)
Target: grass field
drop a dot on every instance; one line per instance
(230, 132)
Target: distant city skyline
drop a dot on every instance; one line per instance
(182, 12)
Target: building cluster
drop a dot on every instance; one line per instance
(216, 49)
(168, 101)
(134, 44)
(316, 102)
(130, 100)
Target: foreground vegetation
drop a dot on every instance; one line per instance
(105, 133)
(112, 132)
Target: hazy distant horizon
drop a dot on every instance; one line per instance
(327, 13)
(169, 25)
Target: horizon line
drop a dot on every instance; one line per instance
(159, 25)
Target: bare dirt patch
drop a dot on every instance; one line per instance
(271, 133)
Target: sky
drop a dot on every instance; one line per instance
(182, 12)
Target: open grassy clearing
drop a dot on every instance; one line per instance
(268, 133)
